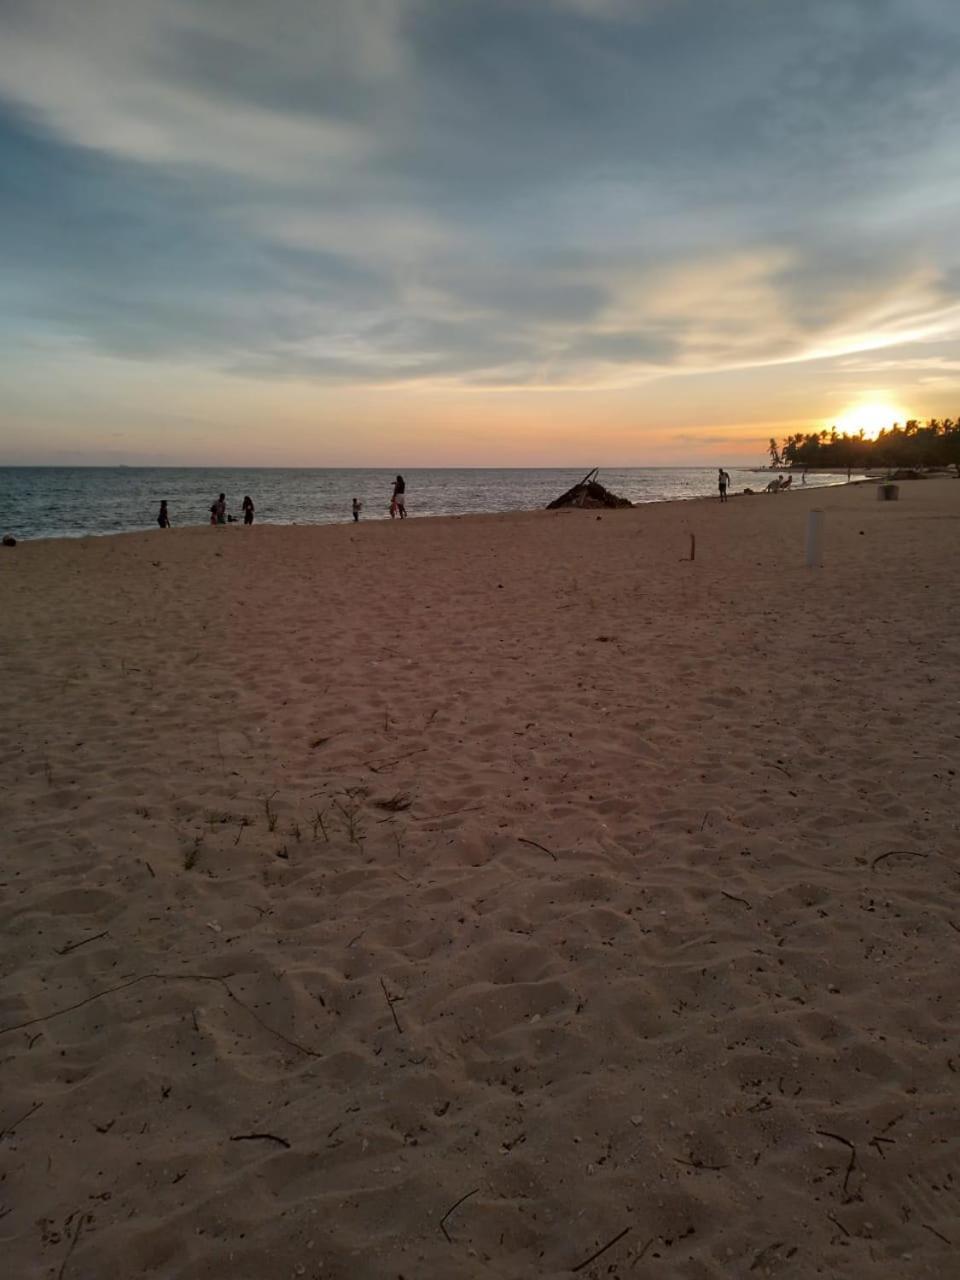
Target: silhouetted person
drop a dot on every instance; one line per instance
(248, 510)
(398, 503)
(163, 520)
(357, 506)
(722, 481)
(218, 510)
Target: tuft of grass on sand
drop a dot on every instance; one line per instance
(192, 855)
(350, 813)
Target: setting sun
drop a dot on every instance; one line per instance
(872, 415)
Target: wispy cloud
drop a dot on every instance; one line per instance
(533, 193)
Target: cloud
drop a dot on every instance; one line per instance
(489, 193)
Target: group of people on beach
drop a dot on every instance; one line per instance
(398, 502)
(218, 508)
(218, 512)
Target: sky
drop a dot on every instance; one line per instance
(473, 232)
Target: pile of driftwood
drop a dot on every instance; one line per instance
(589, 493)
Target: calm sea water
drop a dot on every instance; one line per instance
(54, 502)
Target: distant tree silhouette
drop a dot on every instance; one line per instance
(935, 444)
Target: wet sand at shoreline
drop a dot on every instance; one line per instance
(350, 872)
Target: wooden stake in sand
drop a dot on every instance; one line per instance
(815, 540)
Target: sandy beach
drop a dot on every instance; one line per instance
(471, 897)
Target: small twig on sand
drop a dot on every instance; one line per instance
(933, 1230)
(852, 1163)
(896, 853)
(150, 869)
(81, 1222)
(10, 1128)
(167, 977)
(542, 847)
(881, 1137)
(383, 765)
(593, 1257)
(705, 817)
(451, 1209)
(259, 1137)
(72, 946)
(269, 813)
(317, 823)
(389, 1000)
(733, 898)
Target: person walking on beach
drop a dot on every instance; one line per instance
(163, 519)
(722, 481)
(218, 511)
(357, 505)
(398, 503)
(248, 509)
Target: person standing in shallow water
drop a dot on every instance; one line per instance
(163, 519)
(248, 510)
(722, 481)
(218, 510)
(357, 505)
(398, 503)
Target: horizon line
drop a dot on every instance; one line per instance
(175, 466)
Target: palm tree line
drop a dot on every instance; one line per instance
(935, 443)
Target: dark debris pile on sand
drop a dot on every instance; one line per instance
(588, 493)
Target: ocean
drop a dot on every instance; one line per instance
(58, 502)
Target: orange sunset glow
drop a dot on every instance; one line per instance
(871, 417)
(435, 235)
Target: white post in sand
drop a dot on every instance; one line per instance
(815, 540)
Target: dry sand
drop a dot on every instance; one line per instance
(663, 947)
